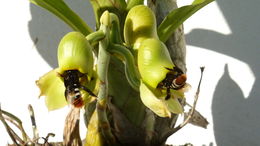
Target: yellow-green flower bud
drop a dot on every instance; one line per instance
(75, 53)
(140, 24)
(154, 62)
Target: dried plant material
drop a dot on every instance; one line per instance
(71, 135)
(34, 126)
(197, 119)
(36, 140)
(15, 121)
(192, 110)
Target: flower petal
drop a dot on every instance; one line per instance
(173, 105)
(52, 87)
(150, 100)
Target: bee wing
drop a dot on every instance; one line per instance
(185, 88)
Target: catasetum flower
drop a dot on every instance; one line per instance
(162, 83)
(74, 79)
(161, 80)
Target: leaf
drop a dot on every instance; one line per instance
(132, 3)
(60, 9)
(113, 6)
(176, 17)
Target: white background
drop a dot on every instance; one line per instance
(223, 37)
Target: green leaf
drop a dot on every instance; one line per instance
(176, 17)
(113, 6)
(132, 3)
(60, 9)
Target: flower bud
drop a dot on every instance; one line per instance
(140, 24)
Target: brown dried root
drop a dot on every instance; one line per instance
(6, 117)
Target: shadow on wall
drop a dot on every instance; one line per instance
(236, 119)
(49, 29)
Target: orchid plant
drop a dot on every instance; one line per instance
(122, 74)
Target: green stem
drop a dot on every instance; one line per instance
(131, 70)
(122, 52)
(115, 35)
(103, 62)
(95, 37)
(102, 69)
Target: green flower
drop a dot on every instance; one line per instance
(162, 82)
(74, 53)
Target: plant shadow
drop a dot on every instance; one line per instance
(235, 118)
(48, 30)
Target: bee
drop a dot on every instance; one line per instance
(175, 79)
(72, 87)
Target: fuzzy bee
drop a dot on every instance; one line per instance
(175, 79)
(73, 87)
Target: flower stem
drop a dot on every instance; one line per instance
(102, 69)
(131, 70)
(94, 37)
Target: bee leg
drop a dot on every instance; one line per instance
(169, 69)
(87, 90)
(168, 94)
(66, 93)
